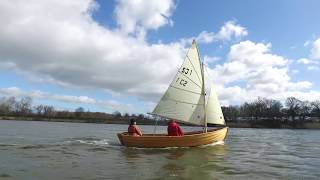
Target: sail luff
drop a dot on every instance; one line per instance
(203, 88)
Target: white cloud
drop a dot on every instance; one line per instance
(315, 51)
(17, 92)
(58, 42)
(136, 16)
(230, 30)
(304, 61)
(258, 73)
(205, 37)
(210, 60)
(313, 68)
(110, 105)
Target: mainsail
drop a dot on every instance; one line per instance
(184, 99)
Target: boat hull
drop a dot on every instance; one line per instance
(190, 139)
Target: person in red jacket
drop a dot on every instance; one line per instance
(133, 129)
(174, 129)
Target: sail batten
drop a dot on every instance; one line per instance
(185, 90)
(184, 102)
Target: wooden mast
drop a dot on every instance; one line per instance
(203, 90)
(204, 101)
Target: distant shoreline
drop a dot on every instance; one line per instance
(307, 125)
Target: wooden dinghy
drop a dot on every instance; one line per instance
(185, 100)
(190, 139)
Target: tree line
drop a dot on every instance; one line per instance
(269, 111)
(24, 108)
(263, 111)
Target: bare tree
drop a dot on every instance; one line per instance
(39, 109)
(316, 108)
(48, 111)
(7, 105)
(293, 104)
(305, 109)
(23, 107)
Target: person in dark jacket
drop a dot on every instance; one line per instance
(174, 129)
(133, 129)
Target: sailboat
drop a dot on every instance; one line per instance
(185, 100)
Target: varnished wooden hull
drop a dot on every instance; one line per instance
(191, 139)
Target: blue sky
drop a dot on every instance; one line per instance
(121, 55)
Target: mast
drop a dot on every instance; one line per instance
(204, 100)
(203, 90)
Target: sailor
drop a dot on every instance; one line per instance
(174, 129)
(133, 128)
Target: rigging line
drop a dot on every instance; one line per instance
(185, 90)
(194, 68)
(189, 79)
(208, 75)
(182, 102)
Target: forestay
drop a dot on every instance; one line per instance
(184, 99)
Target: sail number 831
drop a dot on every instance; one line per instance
(186, 71)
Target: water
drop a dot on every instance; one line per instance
(54, 150)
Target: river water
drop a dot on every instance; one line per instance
(56, 150)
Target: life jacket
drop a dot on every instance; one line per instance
(134, 130)
(174, 129)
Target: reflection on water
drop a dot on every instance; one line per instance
(181, 163)
(39, 150)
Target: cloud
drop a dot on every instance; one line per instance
(305, 44)
(210, 60)
(59, 42)
(230, 30)
(313, 68)
(257, 72)
(110, 105)
(137, 16)
(304, 61)
(17, 92)
(315, 51)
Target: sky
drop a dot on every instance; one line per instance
(121, 55)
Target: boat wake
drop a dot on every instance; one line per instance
(173, 148)
(90, 141)
(213, 144)
(67, 143)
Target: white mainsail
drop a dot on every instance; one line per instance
(213, 108)
(184, 99)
